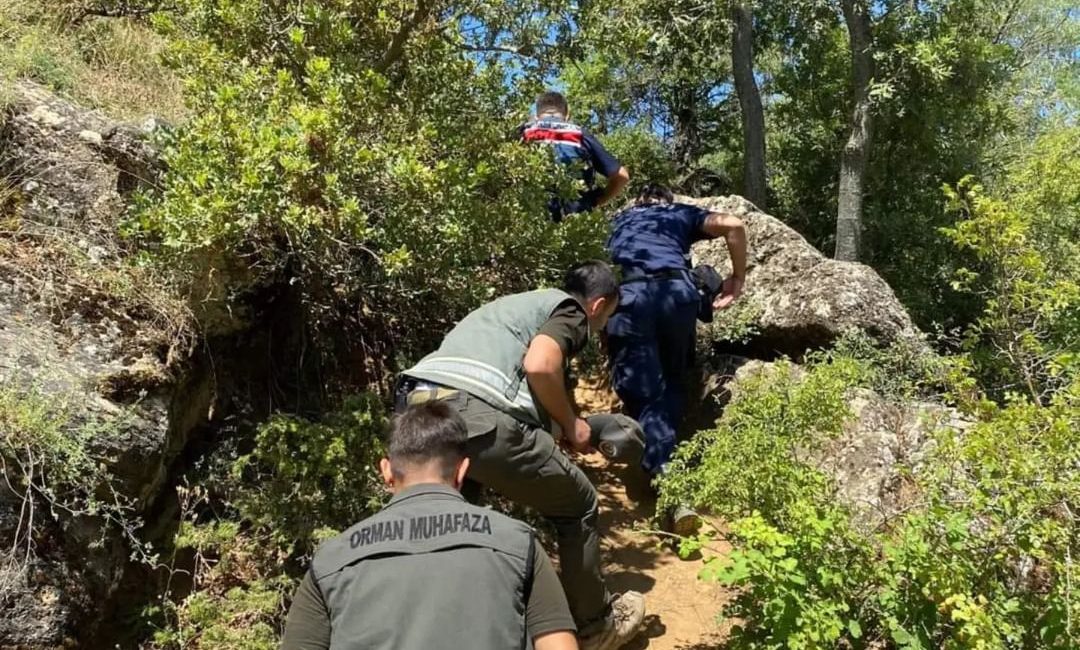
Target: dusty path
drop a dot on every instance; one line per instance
(681, 609)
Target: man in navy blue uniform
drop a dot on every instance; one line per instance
(651, 334)
(576, 148)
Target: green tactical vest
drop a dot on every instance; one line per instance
(428, 571)
(483, 355)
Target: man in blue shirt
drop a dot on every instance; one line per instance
(576, 148)
(651, 334)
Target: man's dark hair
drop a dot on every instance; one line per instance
(432, 431)
(590, 280)
(655, 193)
(552, 102)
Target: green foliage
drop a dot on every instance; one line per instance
(1041, 185)
(321, 156)
(253, 519)
(49, 460)
(313, 475)
(645, 154)
(1027, 336)
(736, 324)
(773, 414)
(649, 68)
(980, 555)
(238, 593)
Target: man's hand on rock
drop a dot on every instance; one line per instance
(732, 289)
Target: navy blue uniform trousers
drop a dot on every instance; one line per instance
(651, 343)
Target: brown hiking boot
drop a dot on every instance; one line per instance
(684, 521)
(621, 624)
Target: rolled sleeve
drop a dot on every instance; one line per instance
(569, 326)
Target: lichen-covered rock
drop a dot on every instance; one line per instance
(72, 166)
(798, 299)
(879, 451)
(82, 333)
(872, 461)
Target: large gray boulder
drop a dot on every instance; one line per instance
(797, 299)
(94, 340)
(879, 450)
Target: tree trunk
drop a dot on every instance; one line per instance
(857, 150)
(753, 118)
(687, 140)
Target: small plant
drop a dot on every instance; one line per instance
(304, 477)
(736, 324)
(238, 585)
(47, 458)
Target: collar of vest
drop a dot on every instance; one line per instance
(426, 490)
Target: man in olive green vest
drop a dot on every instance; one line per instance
(430, 570)
(503, 367)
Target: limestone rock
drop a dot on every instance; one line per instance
(66, 174)
(799, 299)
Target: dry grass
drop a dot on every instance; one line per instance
(108, 63)
(89, 272)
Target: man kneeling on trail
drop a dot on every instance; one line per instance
(503, 368)
(430, 570)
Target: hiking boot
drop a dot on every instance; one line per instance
(684, 521)
(620, 625)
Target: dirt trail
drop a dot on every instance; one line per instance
(681, 610)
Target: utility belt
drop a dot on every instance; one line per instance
(632, 275)
(703, 277)
(411, 391)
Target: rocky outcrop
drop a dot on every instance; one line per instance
(796, 298)
(91, 337)
(879, 450)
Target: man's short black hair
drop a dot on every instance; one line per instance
(552, 102)
(655, 193)
(591, 280)
(425, 433)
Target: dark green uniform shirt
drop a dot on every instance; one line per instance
(308, 625)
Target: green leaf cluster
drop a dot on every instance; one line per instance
(324, 155)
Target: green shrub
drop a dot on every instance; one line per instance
(305, 477)
(239, 589)
(1025, 338)
(390, 195)
(251, 521)
(50, 460)
(981, 555)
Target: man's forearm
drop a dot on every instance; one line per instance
(550, 390)
(616, 183)
(736, 245)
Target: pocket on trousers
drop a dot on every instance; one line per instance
(480, 419)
